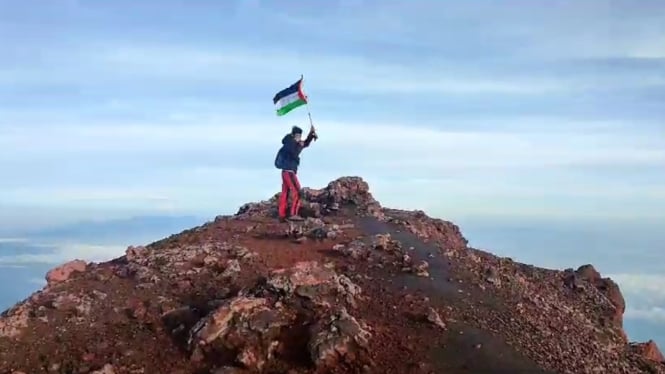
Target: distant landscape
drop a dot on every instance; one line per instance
(628, 253)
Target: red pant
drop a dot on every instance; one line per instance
(290, 186)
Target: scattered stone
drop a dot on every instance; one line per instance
(242, 253)
(232, 269)
(14, 321)
(421, 269)
(300, 240)
(340, 337)
(381, 241)
(346, 287)
(573, 281)
(308, 273)
(106, 369)
(588, 273)
(355, 249)
(492, 276)
(134, 253)
(341, 248)
(217, 323)
(136, 308)
(434, 318)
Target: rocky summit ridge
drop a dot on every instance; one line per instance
(355, 288)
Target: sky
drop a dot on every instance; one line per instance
(492, 112)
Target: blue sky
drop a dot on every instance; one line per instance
(520, 111)
(523, 109)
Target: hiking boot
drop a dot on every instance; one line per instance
(296, 218)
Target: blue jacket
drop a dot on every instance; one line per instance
(288, 157)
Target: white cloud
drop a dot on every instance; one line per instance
(650, 286)
(186, 65)
(12, 240)
(370, 75)
(37, 281)
(186, 166)
(351, 73)
(230, 65)
(522, 30)
(653, 314)
(644, 294)
(412, 146)
(60, 253)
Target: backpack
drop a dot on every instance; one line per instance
(279, 159)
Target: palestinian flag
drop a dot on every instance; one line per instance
(289, 98)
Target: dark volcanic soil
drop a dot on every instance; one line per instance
(356, 288)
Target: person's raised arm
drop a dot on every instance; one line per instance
(311, 136)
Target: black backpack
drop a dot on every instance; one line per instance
(279, 159)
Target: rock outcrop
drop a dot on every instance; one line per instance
(355, 288)
(343, 192)
(65, 271)
(648, 350)
(254, 326)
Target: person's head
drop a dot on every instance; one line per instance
(297, 133)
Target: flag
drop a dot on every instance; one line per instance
(289, 98)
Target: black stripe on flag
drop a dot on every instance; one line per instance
(287, 91)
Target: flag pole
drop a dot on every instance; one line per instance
(309, 114)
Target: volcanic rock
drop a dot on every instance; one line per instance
(237, 295)
(648, 350)
(65, 271)
(341, 337)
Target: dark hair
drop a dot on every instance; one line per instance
(296, 130)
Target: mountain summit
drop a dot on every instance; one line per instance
(355, 288)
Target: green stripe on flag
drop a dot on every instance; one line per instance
(290, 106)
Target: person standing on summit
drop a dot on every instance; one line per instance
(288, 160)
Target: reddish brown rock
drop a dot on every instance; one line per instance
(381, 241)
(346, 191)
(588, 273)
(444, 233)
(14, 322)
(612, 291)
(307, 273)
(421, 269)
(217, 323)
(608, 287)
(133, 253)
(355, 250)
(434, 318)
(136, 308)
(648, 350)
(248, 300)
(341, 337)
(65, 271)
